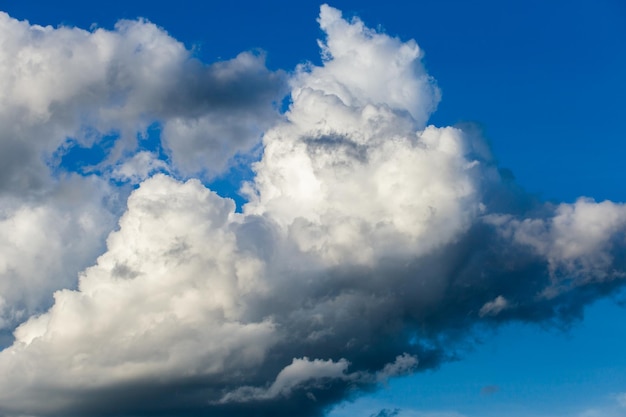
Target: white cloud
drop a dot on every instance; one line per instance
(347, 175)
(66, 82)
(43, 244)
(147, 309)
(578, 240)
(64, 87)
(355, 55)
(136, 169)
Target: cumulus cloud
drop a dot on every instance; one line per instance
(62, 83)
(63, 89)
(45, 241)
(371, 244)
(579, 241)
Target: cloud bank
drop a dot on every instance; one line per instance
(65, 90)
(370, 246)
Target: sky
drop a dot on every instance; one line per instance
(281, 208)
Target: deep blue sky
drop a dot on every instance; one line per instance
(544, 80)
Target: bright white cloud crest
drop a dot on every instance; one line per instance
(369, 239)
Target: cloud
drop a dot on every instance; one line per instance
(386, 412)
(66, 89)
(65, 82)
(489, 389)
(494, 307)
(577, 241)
(228, 107)
(403, 365)
(370, 246)
(415, 413)
(300, 373)
(45, 240)
(355, 54)
(140, 167)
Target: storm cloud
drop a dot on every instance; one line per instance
(371, 244)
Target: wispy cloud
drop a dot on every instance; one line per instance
(489, 389)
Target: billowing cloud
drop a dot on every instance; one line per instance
(371, 244)
(46, 239)
(69, 83)
(65, 90)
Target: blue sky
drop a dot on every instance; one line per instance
(543, 84)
